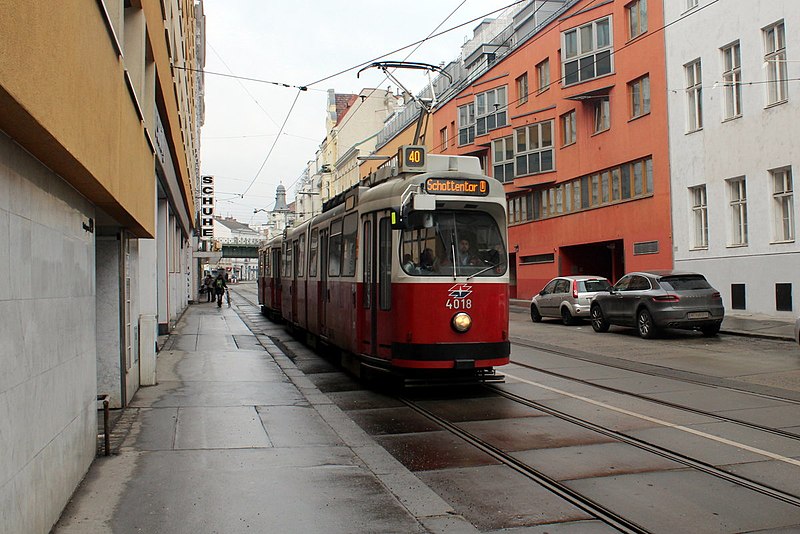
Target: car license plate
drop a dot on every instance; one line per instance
(698, 315)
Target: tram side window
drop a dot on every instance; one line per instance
(367, 266)
(349, 245)
(301, 255)
(287, 260)
(312, 253)
(385, 264)
(335, 249)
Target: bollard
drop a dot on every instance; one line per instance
(106, 436)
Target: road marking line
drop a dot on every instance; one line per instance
(682, 428)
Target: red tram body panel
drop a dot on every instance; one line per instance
(408, 275)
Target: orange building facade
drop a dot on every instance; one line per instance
(573, 119)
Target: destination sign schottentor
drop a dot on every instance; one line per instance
(457, 186)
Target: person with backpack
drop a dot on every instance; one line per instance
(219, 287)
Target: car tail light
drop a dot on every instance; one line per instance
(574, 289)
(716, 296)
(666, 298)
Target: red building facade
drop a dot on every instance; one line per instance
(573, 120)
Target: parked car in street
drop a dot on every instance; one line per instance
(650, 301)
(568, 297)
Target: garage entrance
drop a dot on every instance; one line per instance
(606, 258)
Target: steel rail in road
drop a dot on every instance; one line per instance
(724, 418)
(594, 509)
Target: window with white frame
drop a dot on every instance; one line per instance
(699, 216)
(490, 110)
(568, 133)
(466, 124)
(783, 195)
(587, 51)
(543, 75)
(737, 188)
(503, 158)
(602, 114)
(694, 96)
(732, 80)
(637, 18)
(775, 58)
(639, 96)
(534, 148)
(522, 89)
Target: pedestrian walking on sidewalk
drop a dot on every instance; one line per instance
(220, 285)
(208, 284)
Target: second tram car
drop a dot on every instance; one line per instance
(408, 274)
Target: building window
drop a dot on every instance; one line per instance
(732, 80)
(637, 18)
(443, 138)
(543, 75)
(491, 110)
(783, 204)
(587, 51)
(690, 4)
(568, 134)
(738, 297)
(503, 158)
(522, 89)
(466, 124)
(738, 203)
(602, 114)
(775, 58)
(783, 297)
(639, 91)
(694, 96)
(519, 209)
(699, 216)
(534, 145)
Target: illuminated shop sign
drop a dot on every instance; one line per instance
(457, 186)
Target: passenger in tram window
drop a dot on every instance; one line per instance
(428, 261)
(408, 264)
(465, 254)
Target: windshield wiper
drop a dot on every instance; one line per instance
(493, 266)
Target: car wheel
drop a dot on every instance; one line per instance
(645, 324)
(536, 317)
(566, 316)
(599, 323)
(711, 330)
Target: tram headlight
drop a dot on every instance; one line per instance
(461, 322)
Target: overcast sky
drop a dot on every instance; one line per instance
(304, 43)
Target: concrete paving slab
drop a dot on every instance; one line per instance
(157, 432)
(697, 447)
(180, 394)
(713, 400)
(227, 427)
(711, 505)
(601, 459)
(505, 499)
(784, 417)
(570, 527)
(296, 426)
(246, 342)
(428, 451)
(240, 491)
(238, 366)
(478, 409)
(532, 433)
(380, 421)
(362, 400)
(771, 473)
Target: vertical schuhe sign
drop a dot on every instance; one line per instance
(206, 208)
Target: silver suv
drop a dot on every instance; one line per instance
(568, 297)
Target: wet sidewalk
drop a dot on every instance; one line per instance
(736, 324)
(234, 438)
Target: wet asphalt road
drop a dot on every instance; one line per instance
(709, 443)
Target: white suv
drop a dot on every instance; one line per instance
(568, 297)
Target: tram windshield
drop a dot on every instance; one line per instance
(454, 243)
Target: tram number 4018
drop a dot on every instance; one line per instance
(458, 304)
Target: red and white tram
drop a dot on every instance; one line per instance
(407, 275)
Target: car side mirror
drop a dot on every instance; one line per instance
(541, 293)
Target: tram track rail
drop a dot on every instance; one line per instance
(689, 409)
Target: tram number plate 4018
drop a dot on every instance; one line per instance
(458, 304)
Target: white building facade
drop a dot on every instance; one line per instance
(733, 110)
